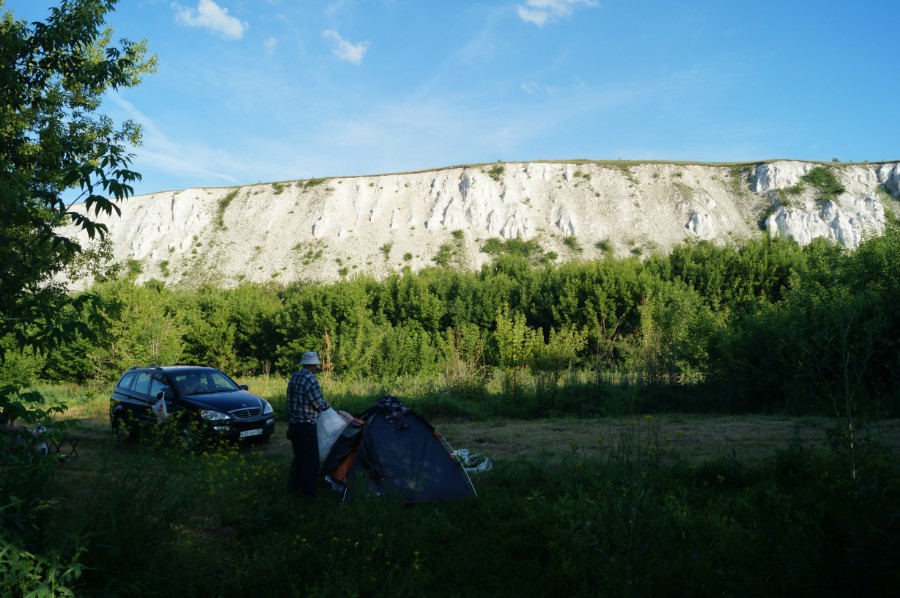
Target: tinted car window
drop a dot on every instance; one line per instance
(158, 383)
(221, 382)
(201, 381)
(142, 383)
(126, 381)
(185, 384)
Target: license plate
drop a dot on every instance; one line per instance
(256, 432)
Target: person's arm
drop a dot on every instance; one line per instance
(317, 399)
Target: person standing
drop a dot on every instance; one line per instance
(304, 403)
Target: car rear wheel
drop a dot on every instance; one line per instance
(122, 431)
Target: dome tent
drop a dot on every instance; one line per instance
(390, 449)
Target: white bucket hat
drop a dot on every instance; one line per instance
(310, 358)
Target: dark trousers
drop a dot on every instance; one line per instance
(305, 466)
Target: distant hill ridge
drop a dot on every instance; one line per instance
(325, 229)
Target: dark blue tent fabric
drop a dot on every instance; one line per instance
(404, 458)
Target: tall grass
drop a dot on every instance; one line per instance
(632, 518)
(580, 392)
(638, 520)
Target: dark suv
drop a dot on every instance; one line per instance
(196, 398)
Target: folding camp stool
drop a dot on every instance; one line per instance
(66, 447)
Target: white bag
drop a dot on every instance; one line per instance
(160, 411)
(330, 425)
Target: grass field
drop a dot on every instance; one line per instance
(666, 504)
(694, 437)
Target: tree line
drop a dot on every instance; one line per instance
(778, 324)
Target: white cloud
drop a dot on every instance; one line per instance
(540, 12)
(179, 160)
(270, 44)
(209, 15)
(343, 49)
(533, 87)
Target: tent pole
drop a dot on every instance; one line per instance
(455, 458)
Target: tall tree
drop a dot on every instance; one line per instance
(56, 150)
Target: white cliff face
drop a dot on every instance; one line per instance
(777, 175)
(889, 176)
(321, 230)
(848, 219)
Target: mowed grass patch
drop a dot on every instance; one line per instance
(694, 437)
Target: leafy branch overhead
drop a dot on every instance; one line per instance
(56, 150)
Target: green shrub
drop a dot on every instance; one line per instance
(134, 267)
(527, 249)
(223, 205)
(20, 367)
(496, 171)
(311, 183)
(823, 180)
(572, 243)
(25, 573)
(444, 254)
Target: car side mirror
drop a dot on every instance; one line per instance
(244, 387)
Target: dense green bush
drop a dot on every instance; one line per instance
(782, 327)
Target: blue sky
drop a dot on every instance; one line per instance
(269, 90)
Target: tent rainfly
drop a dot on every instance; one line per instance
(389, 449)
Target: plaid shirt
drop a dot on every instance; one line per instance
(304, 397)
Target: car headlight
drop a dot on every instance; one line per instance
(212, 415)
(267, 409)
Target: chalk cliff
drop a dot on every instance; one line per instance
(323, 229)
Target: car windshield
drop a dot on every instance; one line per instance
(192, 382)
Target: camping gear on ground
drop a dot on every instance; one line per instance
(473, 462)
(330, 425)
(390, 449)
